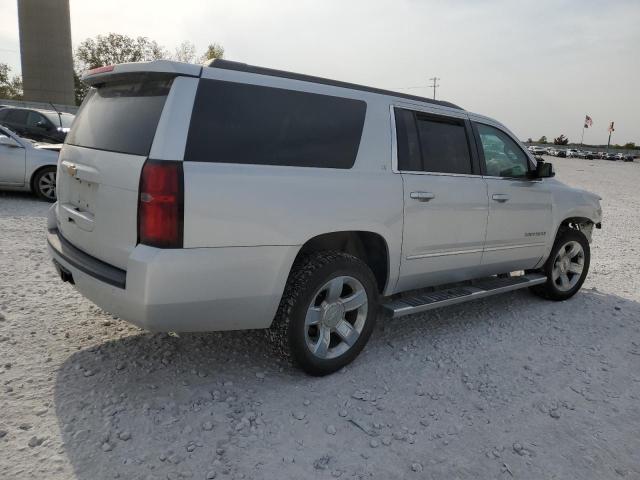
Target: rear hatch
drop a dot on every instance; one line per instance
(100, 164)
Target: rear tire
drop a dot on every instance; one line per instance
(327, 312)
(44, 184)
(567, 266)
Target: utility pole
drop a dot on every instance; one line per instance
(434, 85)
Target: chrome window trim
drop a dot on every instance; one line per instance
(518, 179)
(439, 174)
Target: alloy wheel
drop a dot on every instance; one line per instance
(568, 266)
(336, 316)
(47, 185)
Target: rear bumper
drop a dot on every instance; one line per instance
(183, 290)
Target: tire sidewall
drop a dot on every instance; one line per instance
(564, 237)
(297, 335)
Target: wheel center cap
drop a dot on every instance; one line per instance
(332, 315)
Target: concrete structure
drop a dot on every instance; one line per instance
(45, 49)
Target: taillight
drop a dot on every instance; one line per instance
(161, 204)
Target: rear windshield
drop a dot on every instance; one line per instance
(251, 124)
(121, 116)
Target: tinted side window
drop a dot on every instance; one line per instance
(409, 159)
(17, 116)
(250, 124)
(502, 156)
(444, 145)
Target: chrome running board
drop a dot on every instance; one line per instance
(423, 301)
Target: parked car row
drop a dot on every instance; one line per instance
(28, 166)
(30, 141)
(575, 153)
(40, 125)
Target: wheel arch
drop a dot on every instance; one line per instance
(580, 223)
(370, 247)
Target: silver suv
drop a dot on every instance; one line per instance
(228, 196)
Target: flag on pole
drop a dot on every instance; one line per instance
(587, 121)
(611, 129)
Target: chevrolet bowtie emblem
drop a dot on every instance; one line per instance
(72, 169)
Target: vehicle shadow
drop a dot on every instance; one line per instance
(161, 405)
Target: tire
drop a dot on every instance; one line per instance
(309, 327)
(559, 271)
(44, 184)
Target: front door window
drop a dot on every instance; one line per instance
(502, 156)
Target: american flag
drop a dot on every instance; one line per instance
(587, 121)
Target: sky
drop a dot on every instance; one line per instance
(537, 66)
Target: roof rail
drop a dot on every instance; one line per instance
(244, 67)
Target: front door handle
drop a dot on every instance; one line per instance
(422, 196)
(500, 197)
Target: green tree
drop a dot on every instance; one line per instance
(116, 48)
(79, 88)
(629, 146)
(10, 85)
(529, 140)
(214, 50)
(186, 52)
(111, 49)
(561, 140)
(542, 139)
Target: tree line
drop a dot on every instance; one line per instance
(562, 140)
(110, 49)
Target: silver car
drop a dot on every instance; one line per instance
(229, 196)
(28, 166)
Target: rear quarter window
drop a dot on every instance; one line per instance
(251, 124)
(121, 116)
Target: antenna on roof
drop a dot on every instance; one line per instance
(59, 114)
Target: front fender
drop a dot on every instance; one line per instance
(579, 207)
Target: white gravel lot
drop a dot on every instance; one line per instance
(507, 387)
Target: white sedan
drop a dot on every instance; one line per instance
(28, 166)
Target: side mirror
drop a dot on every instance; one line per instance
(8, 142)
(544, 170)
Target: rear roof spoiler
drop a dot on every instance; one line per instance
(101, 74)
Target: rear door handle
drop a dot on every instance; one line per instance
(500, 197)
(422, 196)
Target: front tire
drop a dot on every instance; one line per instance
(567, 266)
(327, 312)
(44, 184)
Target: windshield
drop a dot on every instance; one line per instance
(121, 116)
(66, 118)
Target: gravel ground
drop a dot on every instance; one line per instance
(508, 387)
